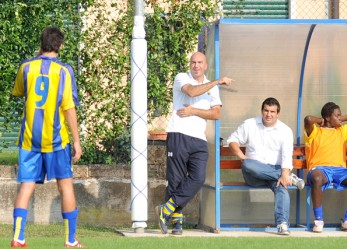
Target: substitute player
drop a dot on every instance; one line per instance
(325, 148)
(50, 93)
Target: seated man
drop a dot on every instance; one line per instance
(325, 148)
(268, 158)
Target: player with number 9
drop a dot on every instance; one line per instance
(49, 88)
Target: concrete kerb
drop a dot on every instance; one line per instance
(235, 234)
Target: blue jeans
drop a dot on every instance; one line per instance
(258, 174)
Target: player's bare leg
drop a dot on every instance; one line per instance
(20, 213)
(69, 211)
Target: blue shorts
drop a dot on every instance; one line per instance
(35, 166)
(334, 175)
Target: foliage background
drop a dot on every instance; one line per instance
(98, 36)
(21, 23)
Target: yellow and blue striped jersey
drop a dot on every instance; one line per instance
(49, 88)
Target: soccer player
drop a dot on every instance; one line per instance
(50, 93)
(325, 149)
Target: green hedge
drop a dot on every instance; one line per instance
(100, 55)
(21, 23)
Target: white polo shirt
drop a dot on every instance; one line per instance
(193, 125)
(270, 145)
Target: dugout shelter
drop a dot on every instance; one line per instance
(299, 62)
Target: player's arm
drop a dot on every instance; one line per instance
(287, 158)
(71, 117)
(236, 150)
(212, 114)
(18, 89)
(309, 121)
(343, 118)
(284, 178)
(239, 138)
(197, 90)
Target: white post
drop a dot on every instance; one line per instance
(292, 9)
(139, 200)
(326, 11)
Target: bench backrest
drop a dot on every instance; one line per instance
(229, 161)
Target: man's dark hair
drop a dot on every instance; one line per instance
(51, 39)
(328, 109)
(270, 102)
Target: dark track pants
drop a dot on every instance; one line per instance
(185, 168)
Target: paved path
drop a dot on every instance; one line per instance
(202, 233)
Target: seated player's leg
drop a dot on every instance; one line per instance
(340, 183)
(318, 179)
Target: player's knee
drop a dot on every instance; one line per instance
(249, 166)
(317, 179)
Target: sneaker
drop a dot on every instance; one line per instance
(177, 230)
(296, 181)
(282, 229)
(15, 243)
(344, 225)
(75, 244)
(162, 218)
(318, 226)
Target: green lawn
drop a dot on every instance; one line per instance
(8, 157)
(51, 236)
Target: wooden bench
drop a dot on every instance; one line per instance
(228, 161)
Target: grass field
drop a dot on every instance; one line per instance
(52, 236)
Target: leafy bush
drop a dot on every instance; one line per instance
(21, 23)
(172, 32)
(100, 55)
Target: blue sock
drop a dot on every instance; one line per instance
(19, 217)
(70, 224)
(318, 213)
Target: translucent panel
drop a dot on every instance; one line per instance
(271, 58)
(266, 60)
(258, 59)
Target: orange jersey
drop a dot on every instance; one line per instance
(326, 147)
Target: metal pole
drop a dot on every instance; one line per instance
(139, 191)
(333, 9)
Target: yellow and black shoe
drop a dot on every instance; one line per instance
(162, 218)
(177, 230)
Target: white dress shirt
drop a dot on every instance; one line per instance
(270, 145)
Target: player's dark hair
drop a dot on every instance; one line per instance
(270, 102)
(51, 39)
(328, 109)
